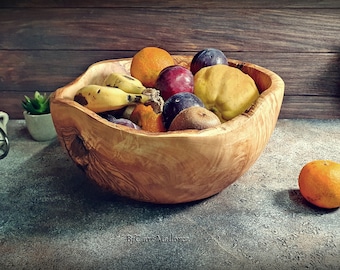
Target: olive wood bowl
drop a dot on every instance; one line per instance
(167, 167)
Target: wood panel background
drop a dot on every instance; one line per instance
(47, 44)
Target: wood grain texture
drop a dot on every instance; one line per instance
(165, 167)
(174, 3)
(46, 44)
(271, 30)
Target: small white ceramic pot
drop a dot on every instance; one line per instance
(3, 121)
(4, 142)
(40, 127)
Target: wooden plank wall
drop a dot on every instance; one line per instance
(47, 44)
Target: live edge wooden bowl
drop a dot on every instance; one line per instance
(168, 167)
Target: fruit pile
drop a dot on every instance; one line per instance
(160, 95)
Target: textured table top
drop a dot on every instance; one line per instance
(52, 216)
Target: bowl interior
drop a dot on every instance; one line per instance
(266, 81)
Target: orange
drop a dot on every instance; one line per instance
(145, 117)
(319, 183)
(147, 63)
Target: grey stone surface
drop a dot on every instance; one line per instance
(53, 217)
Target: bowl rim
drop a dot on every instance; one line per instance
(276, 85)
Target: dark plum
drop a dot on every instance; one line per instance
(120, 121)
(174, 79)
(207, 57)
(177, 103)
(126, 122)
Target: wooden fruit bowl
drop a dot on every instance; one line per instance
(168, 167)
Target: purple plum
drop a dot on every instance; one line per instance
(176, 103)
(207, 57)
(120, 121)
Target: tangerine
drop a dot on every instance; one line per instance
(147, 63)
(145, 117)
(319, 183)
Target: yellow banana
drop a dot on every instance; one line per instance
(128, 111)
(125, 82)
(104, 98)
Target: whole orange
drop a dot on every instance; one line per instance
(319, 183)
(147, 63)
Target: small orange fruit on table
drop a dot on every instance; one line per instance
(147, 63)
(319, 183)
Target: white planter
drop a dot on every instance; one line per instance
(40, 127)
(4, 142)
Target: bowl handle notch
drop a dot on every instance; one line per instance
(75, 147)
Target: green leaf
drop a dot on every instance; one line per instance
(39, 104)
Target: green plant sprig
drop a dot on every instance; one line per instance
(40, 104)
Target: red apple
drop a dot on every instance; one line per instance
(174, 79)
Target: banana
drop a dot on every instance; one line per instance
(104, 98)
(125, 82)
(128, 111)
